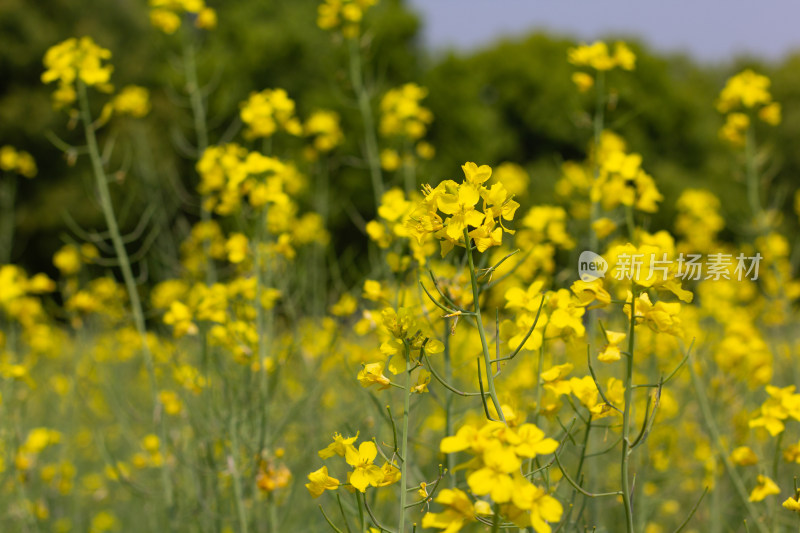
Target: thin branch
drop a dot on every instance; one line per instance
(527, 335)
(691, 513)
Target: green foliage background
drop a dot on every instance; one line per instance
(510, 101)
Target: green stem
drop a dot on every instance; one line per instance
(479, 322)
(201, 131)
(625, 460)
(598, 123)
(195, 96)
(753, 194)
(448, 403)
(404, 448)
(364, 106)
(127, 273)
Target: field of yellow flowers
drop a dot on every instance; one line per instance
(501, 363)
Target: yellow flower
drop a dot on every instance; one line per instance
(458, 511)
(661, 317)
(543, 508)
(165, 20)
(372, 374)
(391, 474)
(132, 100)
(401, 112)
(583, 81)
(746, 89)
(73, 60)
(266, 111)
(765, 487)
(423, 378)
(744, 456)
(597, 56)
(771, 113)
(476, 175)
(343, 14)
(338, 446)
(499, 461)
(603, 227)
(68, 260)
(323, 127)
(19, 161)
(237, 247)
(793, 504)
(171, 402)
(364, 472)
(590, 291)
(320, 481)
(461, 206)
(346, 305)
(166, 14)
(390, 159)
(611, 352)
(733, 131)
(206, 19)
(533, 442)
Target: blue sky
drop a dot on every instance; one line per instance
(709, 30)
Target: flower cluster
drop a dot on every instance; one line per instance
(131, 100)
(622, 180)
(17, 161)
(266, 111)
(229, 173)
(698, 220)
(597, 56)
(783, 403)
(496, 472)
(364, 473)
(743, 94)
(166, 14)
(460, 213)
(323, 128)
(344, 15)
(401, 112)
(405, 121)
(76, 60)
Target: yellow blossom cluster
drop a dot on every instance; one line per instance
(402, 114)
(36, 441)
(698, 220)
(392, 226)
(131, 100)
(499, 452)
(166, 14)
(782, 404)
(364, 473)
(76, 60)
(344, 15)
(404, 121)
(598, 57)
(622, 180)
(744, 94)
(324, 130)
(229, 173)
(457, 202)
(17, 161)
(266, 111)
